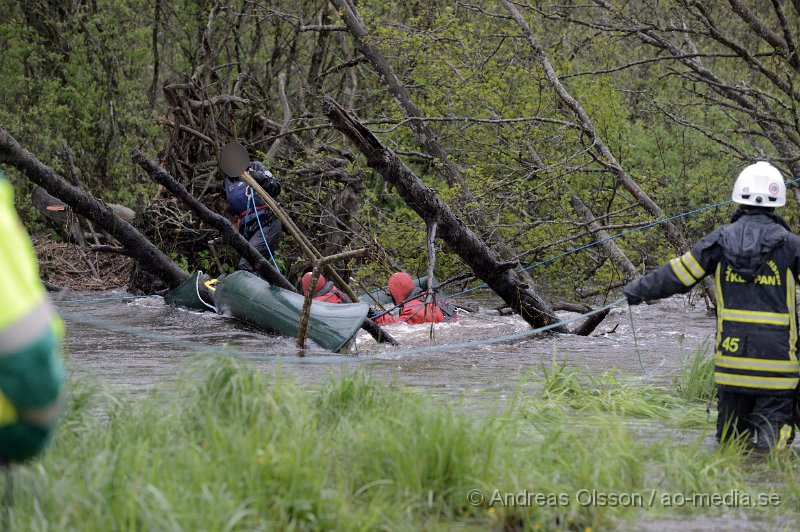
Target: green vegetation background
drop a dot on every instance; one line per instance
(88, 76)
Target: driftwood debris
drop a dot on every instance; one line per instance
(148, 255)
(229, 233)
(429, 206)
(231, 236)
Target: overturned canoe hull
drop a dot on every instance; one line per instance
(246, 297)
(189, 295)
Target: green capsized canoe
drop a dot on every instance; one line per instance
(249, 298)
(190, 294)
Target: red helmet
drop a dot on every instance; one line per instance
(307, 279)
(400, 285)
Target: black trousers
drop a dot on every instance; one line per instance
(273, 230)
(767, 418)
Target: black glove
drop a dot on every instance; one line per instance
(630, 297)
(372, 313)
(264, 178)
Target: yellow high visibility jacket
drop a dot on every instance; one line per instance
(30, 373)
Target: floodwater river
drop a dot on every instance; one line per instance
(664, 332)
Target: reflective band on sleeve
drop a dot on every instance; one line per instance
(27, 330)
(764, 383)
(8, 414)
(757, 364)
(756, 316)
(720, 303)
(692, 265)
(46, 416)
(681, 272)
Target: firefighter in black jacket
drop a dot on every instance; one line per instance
(755, 261)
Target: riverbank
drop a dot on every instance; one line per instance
(66, 266)
(229, 447)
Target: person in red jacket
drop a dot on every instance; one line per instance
(415, 310)
(325, 290)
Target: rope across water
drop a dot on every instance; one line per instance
(612, 237)
(317, 359)
(427, 349)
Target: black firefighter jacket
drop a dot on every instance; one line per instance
(755, 262)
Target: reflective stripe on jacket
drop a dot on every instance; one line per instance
(19, 279)
(755, 262)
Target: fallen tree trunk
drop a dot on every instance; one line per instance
(427, 137)
(589, 324)
(141, 249)
(427, 204)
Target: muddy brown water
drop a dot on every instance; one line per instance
(481, 378)
(664, 333)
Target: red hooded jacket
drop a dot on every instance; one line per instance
(414, 311)
(324, 291)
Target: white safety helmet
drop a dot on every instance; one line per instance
(761, 185)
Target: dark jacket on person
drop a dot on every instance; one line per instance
(239, 202)
(755, 262)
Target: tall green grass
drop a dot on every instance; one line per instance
(230, 448)
(696, 379)
(606, 392)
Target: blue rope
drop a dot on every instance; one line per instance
(251, 197)
(118, 298)
(204, 348)
(598, 242)
(197, 346)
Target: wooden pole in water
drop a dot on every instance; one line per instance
(314, 255)
(429, 295)
(308, 248)
(302, 328)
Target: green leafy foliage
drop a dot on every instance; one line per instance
(86, 73)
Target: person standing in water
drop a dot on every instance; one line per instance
(755, 261)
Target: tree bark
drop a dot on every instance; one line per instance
(590, 323)
(229, 233)
(149, 256)
(610, 249)
(427, 204)
(603, 154)
(426, 136)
